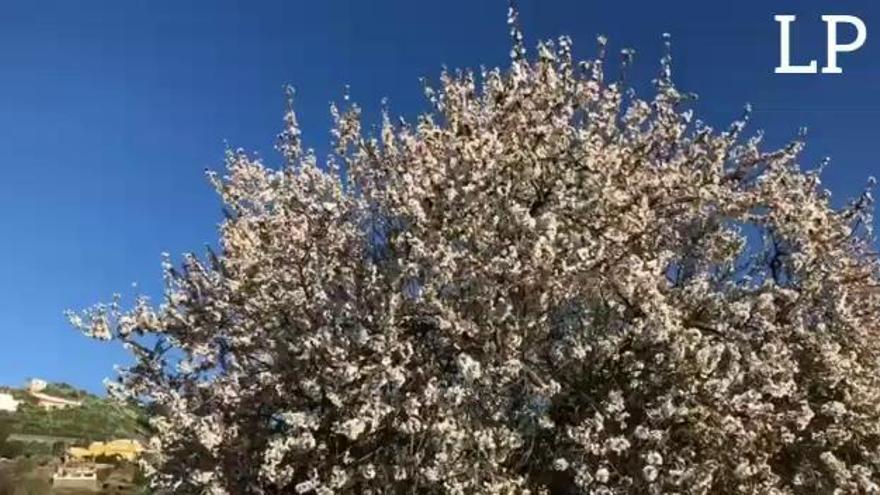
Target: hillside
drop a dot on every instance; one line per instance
(31, 429)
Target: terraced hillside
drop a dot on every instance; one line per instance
(33, 430)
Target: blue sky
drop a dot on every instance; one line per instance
(110, 111)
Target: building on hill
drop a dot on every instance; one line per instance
(50, 402)
(123, 449)
(8, 403)
(46, 401)
(36, 385)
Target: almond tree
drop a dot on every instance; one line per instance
(542, 285)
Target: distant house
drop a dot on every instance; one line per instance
(51, 402)
(8, 403)
(46, 401)
(36, 385)
(123, 449)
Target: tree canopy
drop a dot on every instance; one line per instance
(544, 284)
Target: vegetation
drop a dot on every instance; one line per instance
(26, 477)
(65, 391)
(96, 419)
(32, 430)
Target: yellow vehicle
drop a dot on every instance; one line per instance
(121, 449)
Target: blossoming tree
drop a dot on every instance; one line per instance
(543, 285)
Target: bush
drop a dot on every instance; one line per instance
(12, 449)
(6, 423)
(59, 448)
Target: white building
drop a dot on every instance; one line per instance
(49, 402)
(8, 403)
(36, 385)
(35, 389)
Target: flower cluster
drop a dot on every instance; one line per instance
(543, 285)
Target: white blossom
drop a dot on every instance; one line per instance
(543, 284)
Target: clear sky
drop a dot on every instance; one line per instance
(110, 111)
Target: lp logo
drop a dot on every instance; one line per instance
(831, 22)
